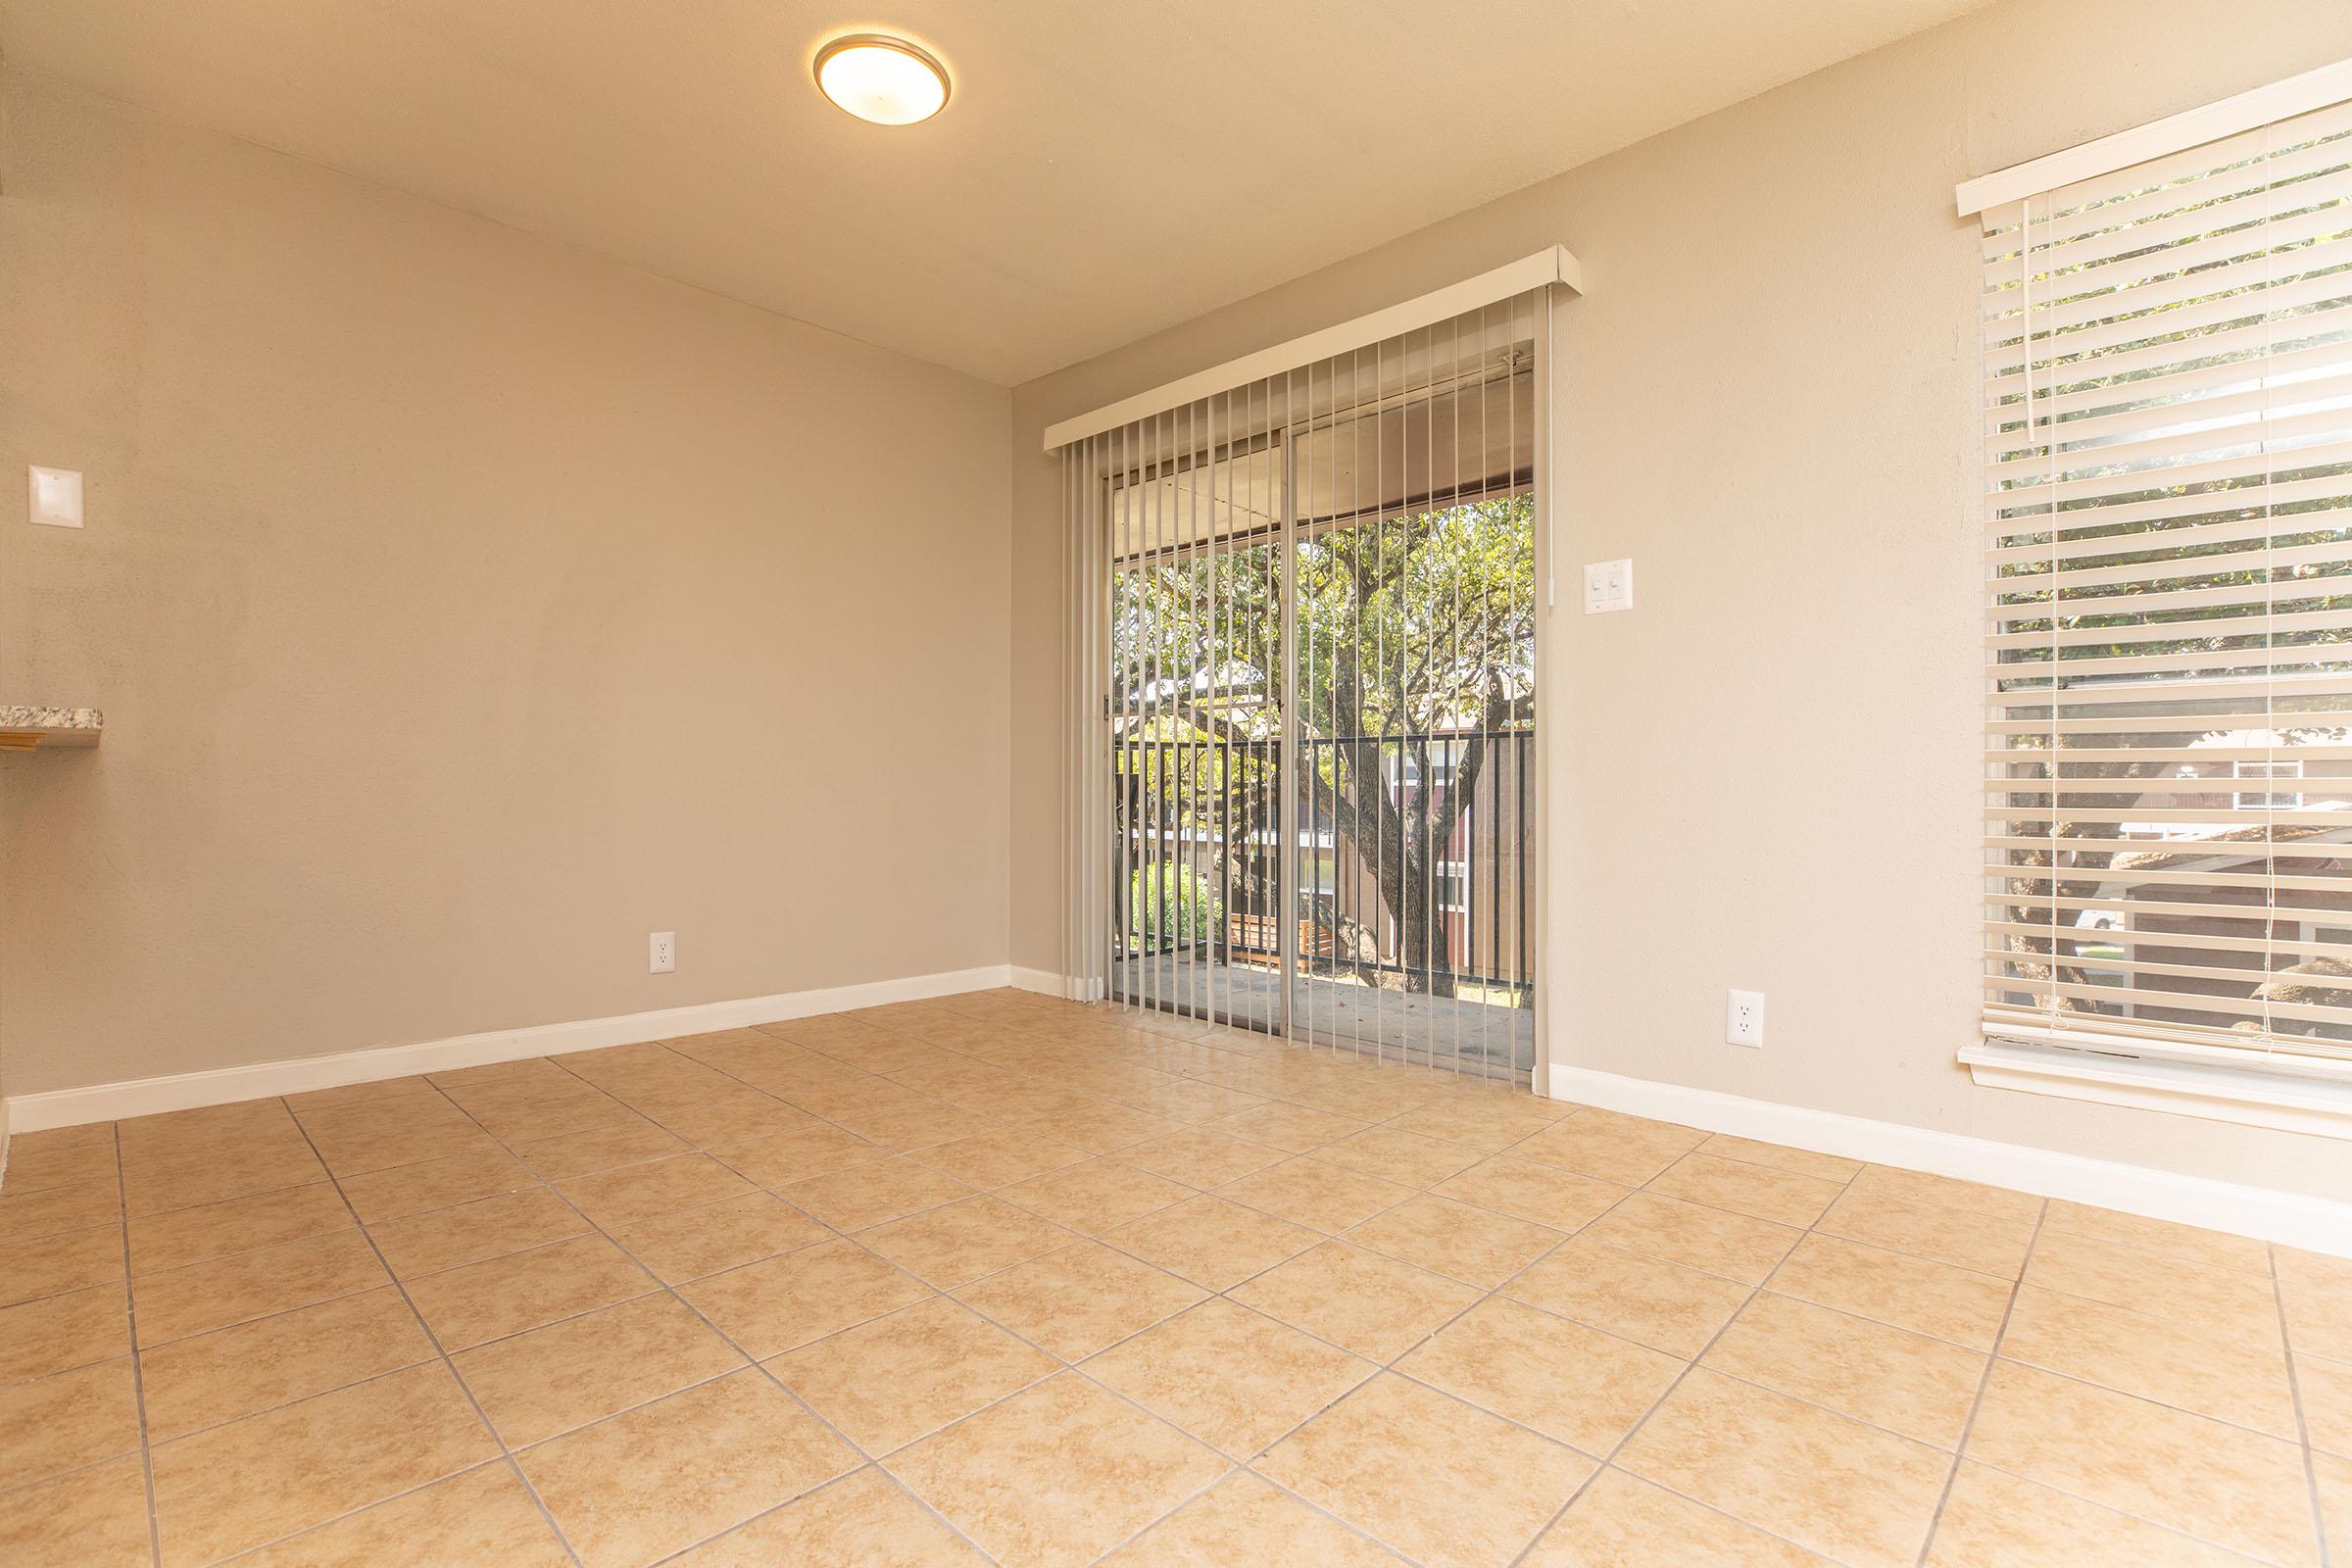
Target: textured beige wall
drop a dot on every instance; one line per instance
(1765, 777)
(464, 607)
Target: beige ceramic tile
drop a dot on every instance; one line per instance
(303, 1464)
(244, 1286)
(358, 1138)
(1202, 1158)
(863, 1520)
(66, 1420)
(1911, 1293)
(1245, 1520)
(1057, 1475)
(1646, 1299)
(1316, 1193)
(1001, 1157)
(211, 1175)
(1395, 1155)
(2215, 1248)
(1995, 1520)
(1097, 1196)
(1103, 1128)
(411, 1087)
(2315, 1293)
(523, 1120)
(1440, 1480)
(1489, 1124)
(728, 1234)
(1293, 1129)
(1361, 1301)
(489, 1300)
(1711, 1239)
(1745, 1189)
(1946, 1192)
(2326, 1387)
(1626, 1150)
(2244, 1303)
(783, 1303)
(53, 1138)
(28, 1216)
(94, 1518)
(1524, 1190)
(32, 1169)
(2219, 1483)
(230, 1373)
(1917, 1386)
(1212, 1242)
(2333, 1477)
(2156, 1356)
(1849, 1491)
(743, 1114)
(628, 1194)
(59, 1333)
(435, 1184)
(239, 1225)
(1233, 1378)
(602, 1147)
(873, 1194)
(908, 1374)
(1475, 1246)
(565, 1375)
(1779, 1156)
(661, 1476)
(1081, 1299)
(1567, 1381)
(1984, 1243)
(1620, 1521)
(471, 1233)
(483, 1518)
(778, 1161)
(964, 1241)
(54, 1265)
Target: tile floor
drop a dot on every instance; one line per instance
(998, 1277)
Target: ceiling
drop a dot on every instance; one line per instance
(1105, 169)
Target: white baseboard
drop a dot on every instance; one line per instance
(2316, 1224)
(144, 1097)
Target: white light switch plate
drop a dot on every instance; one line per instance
(1609, 586)
(56, 496)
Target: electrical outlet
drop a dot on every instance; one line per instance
(1744, 1027)
(665, 951)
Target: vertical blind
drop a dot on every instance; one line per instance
(1300, 677)
(2168, 473)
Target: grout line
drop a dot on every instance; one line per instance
(1609, 1459)
(447, 1364)
(752, 1363)
(139, 1376)
(2294, 1391)
(1993, 1359)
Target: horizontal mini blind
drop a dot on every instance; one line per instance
(2168, 468)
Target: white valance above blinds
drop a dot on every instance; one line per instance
(2167, 480)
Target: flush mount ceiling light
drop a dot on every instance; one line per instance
(887, 81)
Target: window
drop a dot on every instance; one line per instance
(2168, 481)
(2268, 800)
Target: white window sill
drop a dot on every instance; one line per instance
(2217, 1092)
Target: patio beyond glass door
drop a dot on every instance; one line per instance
(1322, 634)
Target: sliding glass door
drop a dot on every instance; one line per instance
(1321, 626)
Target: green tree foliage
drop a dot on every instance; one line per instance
(1416, 641)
